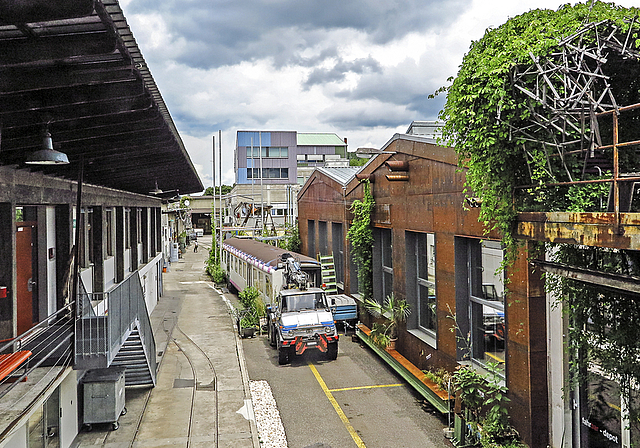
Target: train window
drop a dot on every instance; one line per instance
(268, 293)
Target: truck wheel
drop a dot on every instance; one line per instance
(332, 350)
(272, 335)
(284, 355)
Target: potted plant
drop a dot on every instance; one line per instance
(248, 318)
(393, 311)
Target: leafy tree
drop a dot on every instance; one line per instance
(183, 201)
(358, 161)
(226, 189)
(292, 239)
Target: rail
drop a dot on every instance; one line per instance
(47, 344)
(105, 321)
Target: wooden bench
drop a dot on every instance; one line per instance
(414, 376)
(9, 362)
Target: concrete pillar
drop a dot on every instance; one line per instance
(98, 248)
(7, 268)
(120, 237)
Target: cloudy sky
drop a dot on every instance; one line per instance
(360, 68)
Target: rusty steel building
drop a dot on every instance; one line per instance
(430, 249)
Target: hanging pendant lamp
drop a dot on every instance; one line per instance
(47, 155)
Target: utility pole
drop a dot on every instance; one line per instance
(261, 185)
(214, 190)
(213, 175)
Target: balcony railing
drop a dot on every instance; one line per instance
(50, 344)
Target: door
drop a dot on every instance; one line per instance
(26, 282)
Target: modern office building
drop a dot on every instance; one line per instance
(271, 166)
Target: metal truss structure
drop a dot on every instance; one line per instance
(569, 91)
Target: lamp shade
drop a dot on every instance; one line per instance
(47, 155)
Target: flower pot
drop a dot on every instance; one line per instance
(248, 332)
(392, 344)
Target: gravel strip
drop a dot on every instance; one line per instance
(267, 416)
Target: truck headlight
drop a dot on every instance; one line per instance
(328, 330)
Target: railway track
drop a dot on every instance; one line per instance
(189, 350)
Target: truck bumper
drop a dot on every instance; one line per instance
(320, 342)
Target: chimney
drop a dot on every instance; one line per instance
(345, 140)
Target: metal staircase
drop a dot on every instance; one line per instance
(121, 337)
(328, 270)
(133, 358)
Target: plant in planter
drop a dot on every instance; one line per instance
(440, 377)
(393, 311)
(484, 401)
(248, 318)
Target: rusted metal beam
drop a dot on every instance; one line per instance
(589, 229)
(621, 283)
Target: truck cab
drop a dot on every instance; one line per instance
(301, 319)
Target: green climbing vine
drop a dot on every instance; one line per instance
(483, 107)
(507, 173)
(360, 234)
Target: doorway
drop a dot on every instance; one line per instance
(27, 270)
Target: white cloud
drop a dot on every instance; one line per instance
(362, 70)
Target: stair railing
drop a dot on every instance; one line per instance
(105, 321)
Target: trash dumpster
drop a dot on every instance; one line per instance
(104, 400)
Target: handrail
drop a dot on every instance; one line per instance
(51, 348)
(19, 340)
(104, 327)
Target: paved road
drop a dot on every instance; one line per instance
(363, 404)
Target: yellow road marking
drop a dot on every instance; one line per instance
(496, 357)
(345, 421)
(365, 387)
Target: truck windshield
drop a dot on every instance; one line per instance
(301, 302)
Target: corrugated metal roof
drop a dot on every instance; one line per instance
(75, 69)
(269, 255)
(343, 174)
(319, 139)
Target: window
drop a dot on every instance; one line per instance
(484, 319)
(139, 226)
(85, 227)
(311, 238)
(382, 264)
(337, 243)
(421, 281)
(353, 273)
(269, 152)
(127, 228)
(323, 237)
(268, 173)
(109, 234)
